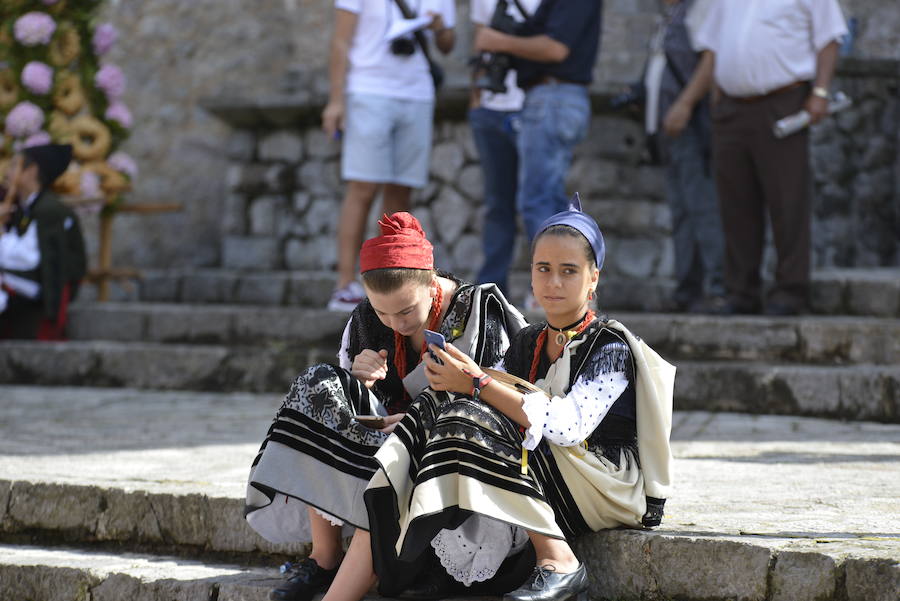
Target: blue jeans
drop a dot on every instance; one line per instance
(555, 118)
(696, 226)
(495, 139)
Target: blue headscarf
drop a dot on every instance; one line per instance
(582, 222)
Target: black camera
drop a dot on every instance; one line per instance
(493, 67)
(403, 46)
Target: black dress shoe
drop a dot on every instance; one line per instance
(545, 584)
(303, 580)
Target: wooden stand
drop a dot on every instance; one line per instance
(105, 272)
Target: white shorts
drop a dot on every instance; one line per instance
(387, 140)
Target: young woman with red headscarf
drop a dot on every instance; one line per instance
(309, 476)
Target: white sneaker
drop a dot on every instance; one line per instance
(346, 298)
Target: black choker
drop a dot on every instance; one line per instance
(565, 333)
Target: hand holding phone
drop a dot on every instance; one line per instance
(438, 340)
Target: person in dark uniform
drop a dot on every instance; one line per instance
(42, 256)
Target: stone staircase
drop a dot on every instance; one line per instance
(124, 451)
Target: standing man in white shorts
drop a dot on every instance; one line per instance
(382, 103)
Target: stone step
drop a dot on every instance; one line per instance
(861, 391)
(874, 292)
(68, 574)
(807, 339)
(153, 469)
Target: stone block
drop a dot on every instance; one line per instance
(125, 586)
(105, 322)
(257, 590)
(619, 563)
(630, 216)
(614, 137)
(850, 340)
(748, 338)
(807, 391)
(310, 290)
(281, 145)
(455, 215)
(248, 178)
(593, 178)
(51, 506)
(210, 325)
(686, 568)
(128, 517)
(183, 519)
(301, 201)
(319, 252)
(635, 257)
(827, 294)
(320, 146)
(265, 213)
(471, 183)
(5, 492)
(44, 364)
(665, 268)
(229, 530)
(263, 289)
(803, 577)
(319, 178)
(39, 582)
(467, 255)
(870, 393)
(208, 287)
(168, 368)
(234, 214)
(322, 216)
(241, 145)
(446, 161)
(244, 252)
(879, 297)
(278, 178)
(160, 287)
(872, 579)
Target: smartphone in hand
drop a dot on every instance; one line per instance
(438, 340)
(376, 422)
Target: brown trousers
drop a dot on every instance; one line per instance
(756, 172)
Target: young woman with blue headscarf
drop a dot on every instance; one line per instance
(479, 473)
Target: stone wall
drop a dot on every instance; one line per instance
(178, 53)
(284, 191)
(284, 187)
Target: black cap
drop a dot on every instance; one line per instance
(52, 160)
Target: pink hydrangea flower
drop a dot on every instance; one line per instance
(118, 112)
(38, 139)
(89, 185)
(111, 80)
(34, 28)
(24, 120)
(123, 163)
(105, 37)
(37, 77)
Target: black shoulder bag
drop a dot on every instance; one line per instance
(437, 72)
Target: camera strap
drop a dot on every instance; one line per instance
(437, 73)
(522, 10)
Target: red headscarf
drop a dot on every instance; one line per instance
(402, 243)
